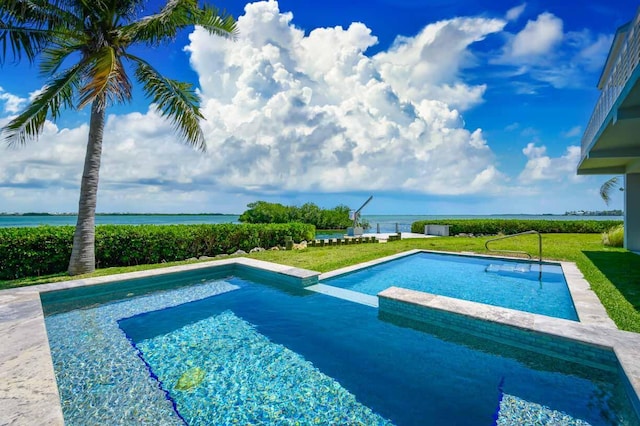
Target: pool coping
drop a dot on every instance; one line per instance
(28, 389)
(624, 344)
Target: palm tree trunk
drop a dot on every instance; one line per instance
(83, 256)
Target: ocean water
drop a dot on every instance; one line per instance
(28, 221)
(387, 222)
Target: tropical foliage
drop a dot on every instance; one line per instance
(84, 50)
(46, 249)
(614, 237)
(264, 212)
(608, 187)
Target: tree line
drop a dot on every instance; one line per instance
(264, 212)
(595, 213)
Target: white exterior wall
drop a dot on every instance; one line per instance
(632, 212)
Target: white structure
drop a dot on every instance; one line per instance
(611, 142)
(439, 230)
(355, 231)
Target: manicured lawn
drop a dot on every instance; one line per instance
(614, 274)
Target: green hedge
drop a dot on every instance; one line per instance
(264, 212)
(513, 226)
(42, 250)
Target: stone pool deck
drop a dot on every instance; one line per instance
(29, 394)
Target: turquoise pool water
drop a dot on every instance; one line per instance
(227, 350)
(528, 287)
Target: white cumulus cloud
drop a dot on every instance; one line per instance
(287, 112)
(537, 38)
(12, 104)
(541, 167)
(294, 112)
(427, 66)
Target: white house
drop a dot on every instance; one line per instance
(611, 141)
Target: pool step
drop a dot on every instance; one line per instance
(343, 293)
(509, 267)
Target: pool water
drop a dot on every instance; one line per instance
(234, 351)
(525, 286)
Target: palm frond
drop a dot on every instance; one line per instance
(21, 41)
(28, 26)
(127, 8)
(55, 96)
(111, 12)
(54, 55)
(175, 100)
(217, 23)
(106, 76)
(37, 13)
(175, 16)
(607, 187)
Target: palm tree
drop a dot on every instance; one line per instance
(608, 186)
(92, 38)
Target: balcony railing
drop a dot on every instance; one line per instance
(623, 67)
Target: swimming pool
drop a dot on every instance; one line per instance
(521, 285)
(214, 348)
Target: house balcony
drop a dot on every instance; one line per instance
(611, 141)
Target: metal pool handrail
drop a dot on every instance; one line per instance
(486, 245)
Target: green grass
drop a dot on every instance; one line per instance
(614, 273)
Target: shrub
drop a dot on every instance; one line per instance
(614, 237)
(264, 212)
(46, 249)
(514, 226)
(34, 251)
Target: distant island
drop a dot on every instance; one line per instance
(595, 213)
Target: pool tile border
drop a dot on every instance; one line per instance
(28, 389)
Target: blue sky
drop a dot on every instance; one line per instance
(432, 107)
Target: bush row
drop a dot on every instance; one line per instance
(44, 250)
(513, 226)
(264, 212)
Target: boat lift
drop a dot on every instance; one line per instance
(356, 230)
